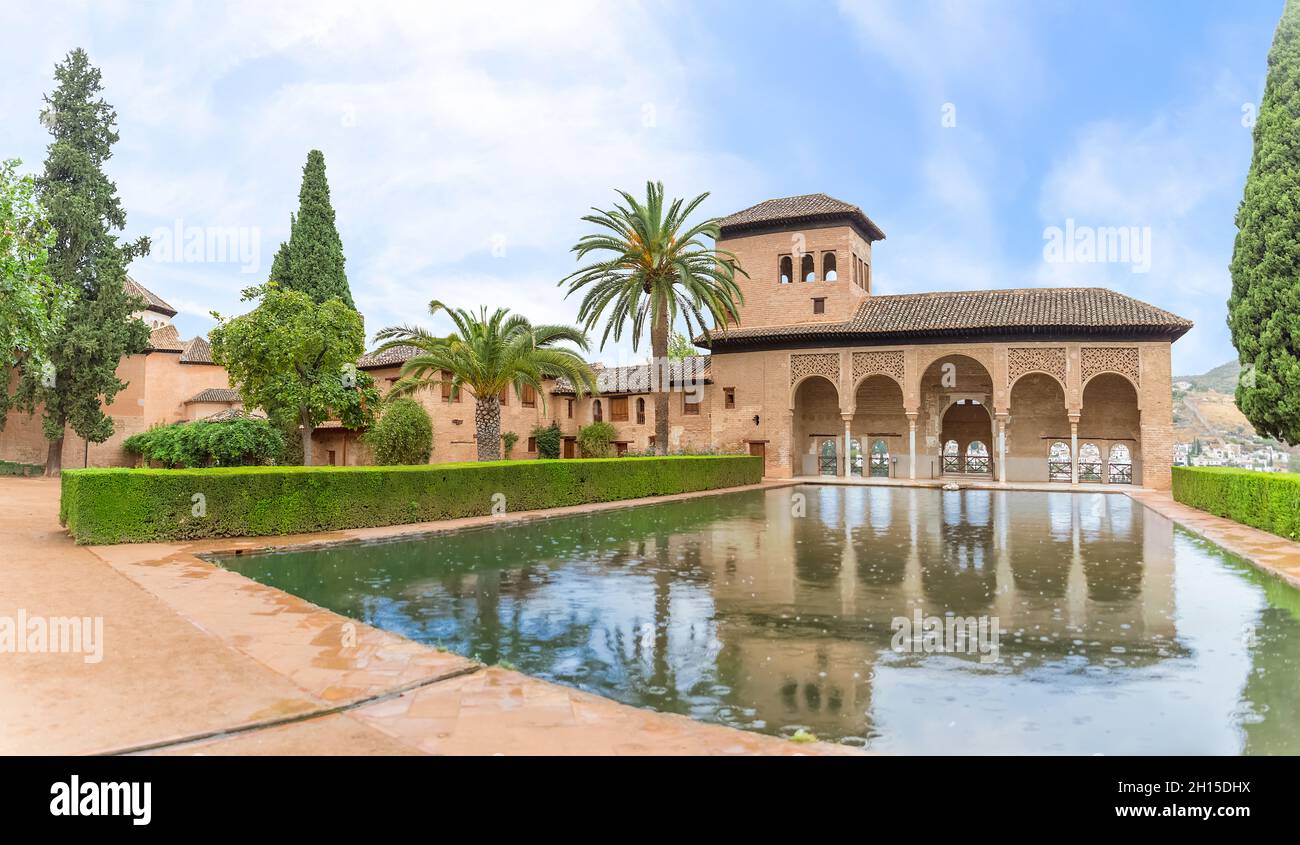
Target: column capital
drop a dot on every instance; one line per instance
(847, 417)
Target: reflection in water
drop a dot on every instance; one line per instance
(1119, 632)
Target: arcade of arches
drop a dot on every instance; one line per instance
(1066, 413)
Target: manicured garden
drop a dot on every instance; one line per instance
(148, 505)
(1266, 500)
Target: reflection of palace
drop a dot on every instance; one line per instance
(1062, 576)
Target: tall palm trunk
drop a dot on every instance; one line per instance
(487, 427)
(659, 351)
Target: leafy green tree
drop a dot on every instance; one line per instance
(597, 440)
(1264, 309)
(312, 259)
(295, 359)
(680, 346)
(489, 354)
(403, 434)
(548, 439)
(654, 267)
(243, 441)
(79, 374)
(31, 304)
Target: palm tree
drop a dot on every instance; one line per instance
(488, 354)
(655, 267)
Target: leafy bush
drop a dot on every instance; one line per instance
(548, 440)
(508, 441)
(12, 468)
(403, 435)
(1265, 500)
(597, 440)
(239, 442)
(144, 505)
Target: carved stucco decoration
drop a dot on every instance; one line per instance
(1035, 359)
(816, 364)
(889, 363)
(1109, 359)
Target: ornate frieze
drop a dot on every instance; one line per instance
(815, 364)
(1035, 359)
(889, 362)
(1109, 359)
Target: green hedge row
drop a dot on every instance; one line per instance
(145, 505)
(1266, 500)
(11, 468)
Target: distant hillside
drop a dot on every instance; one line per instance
(1205, 409)
(1221, 379)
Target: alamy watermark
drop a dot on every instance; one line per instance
(24, 634)
(949, 634)
(1076, 244)
(182, 244)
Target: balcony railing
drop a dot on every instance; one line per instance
(1119, 473)
(879, 466)
(1058, 470)
(1090, 470)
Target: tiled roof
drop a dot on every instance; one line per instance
(636, 379)
(197, 351)
(956, 313)
(388, 358)
(152, 301)
(234, 414)
(215, 394)
(165, 339)
(808, 208)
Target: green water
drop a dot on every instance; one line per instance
(775, 610)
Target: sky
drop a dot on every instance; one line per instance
(464, 142)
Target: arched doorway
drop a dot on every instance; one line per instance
(817, 429)
(879, 424)
(1110, 417)
(955, 393)
(968, 424)
(1039, 426)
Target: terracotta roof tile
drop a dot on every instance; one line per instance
(197, 351)
(165, 339)
(388, 358)
(215, 394)
(805, 208)
(636, 379)
(152, 301)
(980, 312)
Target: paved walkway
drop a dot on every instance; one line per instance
(200, 660)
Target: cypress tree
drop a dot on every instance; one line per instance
(312, 259)
(1264, 309)
(87, 261)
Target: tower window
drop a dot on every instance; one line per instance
(828, 267)
(786, 270)
(807, 268)
(819, 305)
(729, 397)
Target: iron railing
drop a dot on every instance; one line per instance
(1090, 470)
(952, 463)
(978, 464)
(829, 465)
(1058, 470)
(1120, 473)
(880, 466)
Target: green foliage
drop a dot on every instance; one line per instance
(31, 304)
(1266, 500)
(145, 505)
(295, 359)
(79, 374)
(403, 435)
(597, 440)
(1264, 309)
(247, 441)
(508, 441)
(655, 267)
(680, 346)
(312, 260)
(13, 468)
(489, 354)
(548, 439)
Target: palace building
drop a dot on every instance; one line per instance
(820, 377)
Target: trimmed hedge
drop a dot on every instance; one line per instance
(146, 505)
(1265, 500)
(12, 468)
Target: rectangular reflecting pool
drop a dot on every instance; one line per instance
(774, 611)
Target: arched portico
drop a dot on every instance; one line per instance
(955, 393)
(816, 436)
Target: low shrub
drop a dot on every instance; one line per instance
(548, 440)
(597, 440)
(145, 505)
(403, 435)
(1265, 500)
(508, 441)
(14, 468)
(244, 441)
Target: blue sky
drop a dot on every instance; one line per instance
(464, 141)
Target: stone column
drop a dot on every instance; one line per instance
(911, 443)
(848, 439)
(1002, 447)
(1074, 448)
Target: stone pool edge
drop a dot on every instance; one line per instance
(416, 698)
